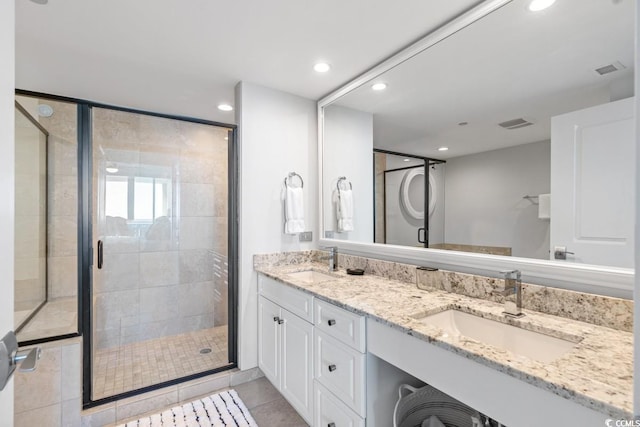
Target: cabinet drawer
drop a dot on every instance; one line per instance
(341, 369)
(340, 324)
(297, 302)
(331, 412)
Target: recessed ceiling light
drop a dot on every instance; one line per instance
(225, 107)
(111, 169)
(538, 5)
(45, 110)
(379, 86)
(443, 148)
(322, 67)
(406, 160)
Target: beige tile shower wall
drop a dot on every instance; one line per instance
(159, 279)
(62, 199)
(30, 220)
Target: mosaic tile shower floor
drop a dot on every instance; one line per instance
(141, 364)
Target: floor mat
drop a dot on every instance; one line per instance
(218, 410)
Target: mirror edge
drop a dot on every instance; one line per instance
(596, 279)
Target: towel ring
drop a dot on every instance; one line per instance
(343, 178)
(287, 179)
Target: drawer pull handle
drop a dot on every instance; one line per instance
(332, 368)
(331, 425)
(331, 322)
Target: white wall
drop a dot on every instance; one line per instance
(348, 143)
(278, 135)
(484, 204)
(7, 78)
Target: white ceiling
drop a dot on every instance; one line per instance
(510, 64)
(185, 57)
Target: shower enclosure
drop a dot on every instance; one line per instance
(46, 164)
(123, 235)
(30, 287)
(160, 226)
(409, 199)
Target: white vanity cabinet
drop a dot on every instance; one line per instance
(339, 367)
(285, 343)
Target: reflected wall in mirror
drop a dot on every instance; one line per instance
(46, 199)
(520, 105)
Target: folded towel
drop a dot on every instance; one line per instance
(344, 212)
(432, 421)
(544, 206)
(293, 211)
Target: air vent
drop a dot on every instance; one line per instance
(515, 124)
(613, 67)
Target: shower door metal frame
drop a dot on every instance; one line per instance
(86, 241)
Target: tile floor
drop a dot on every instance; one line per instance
(266, 404)
(56, 317)
(136, 365)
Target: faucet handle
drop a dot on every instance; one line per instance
(511, 274)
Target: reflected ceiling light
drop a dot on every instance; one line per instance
(443, 148)
(225, 107)
(406, 160)
(322, 67)
(538, 5)
(379, 86)
(45, 110)
(111, 169)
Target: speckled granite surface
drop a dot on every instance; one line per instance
(597, 373)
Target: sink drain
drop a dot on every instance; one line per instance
(205, 351)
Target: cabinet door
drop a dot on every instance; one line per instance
(269, 340)
(297, 364)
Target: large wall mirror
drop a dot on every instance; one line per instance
(504, 139)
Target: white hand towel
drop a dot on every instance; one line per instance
(544, 206)
(293, 211)
(344, 212)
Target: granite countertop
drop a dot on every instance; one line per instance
(596, 373)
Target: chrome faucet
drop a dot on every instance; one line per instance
(332, 257)
(512, 293)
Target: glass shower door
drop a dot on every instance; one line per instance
(160, 231)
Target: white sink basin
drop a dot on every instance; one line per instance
(310, 276)
(534, 345)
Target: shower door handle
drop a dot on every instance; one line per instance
(422, 235)
(100, 253)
